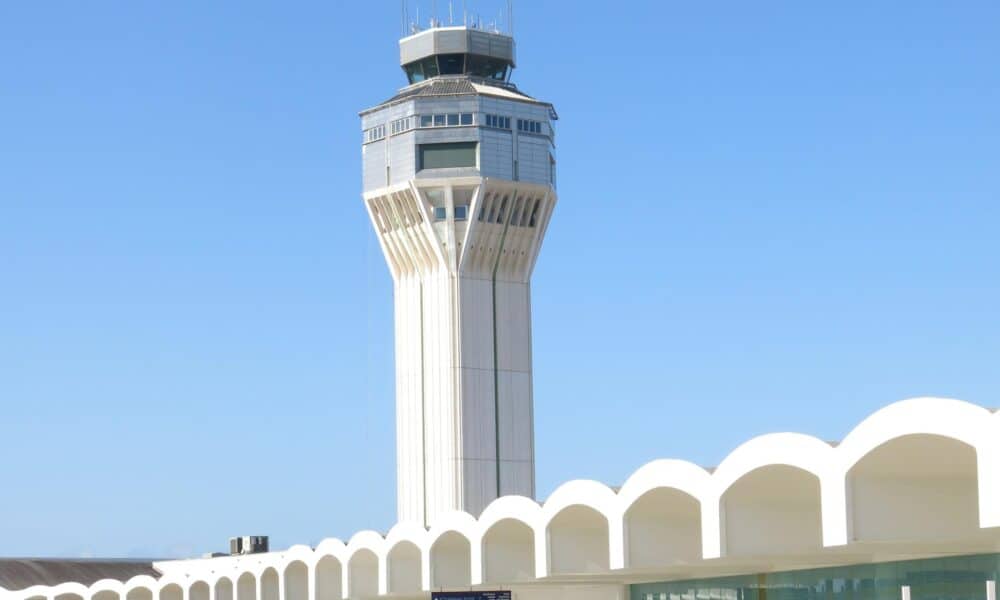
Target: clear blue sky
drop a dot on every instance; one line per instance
(773, 216)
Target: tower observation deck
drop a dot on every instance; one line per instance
(459, 183)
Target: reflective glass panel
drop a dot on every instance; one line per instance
(949, 578)
(430, 67)
(444, 156)
(452, 64)
(486, 67)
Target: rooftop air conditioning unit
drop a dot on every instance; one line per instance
(248, 544)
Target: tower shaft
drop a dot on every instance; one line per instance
(463, 342)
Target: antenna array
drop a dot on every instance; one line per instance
(504, 22)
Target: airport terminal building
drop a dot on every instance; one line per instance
(459, 178)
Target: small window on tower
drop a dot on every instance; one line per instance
(440, 214)
(461, 212)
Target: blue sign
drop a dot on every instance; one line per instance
(505, 595)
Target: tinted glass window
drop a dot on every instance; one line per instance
(444, 156)
(452, 64)
(439, 213)
(485, 67)
(430, 67)
(461, 212)
(426, 120)
(466, 118)
(452, 119)
(421, 70)
(414, 73)
(439, 120)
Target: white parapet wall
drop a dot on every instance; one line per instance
(917, 478)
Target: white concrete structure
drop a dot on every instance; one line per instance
(919, 478)
(459, 184)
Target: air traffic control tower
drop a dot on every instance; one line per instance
(459, 182)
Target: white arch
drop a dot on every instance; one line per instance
(944, 417)
(140, 587)
(246, 585)
(404, 568)
(955, 419)
(295, 576)
(661, 527)
(914, 487)
(450, 560)
(106, 589)
(412, 533)
(33, 592)
(269, 583)
(579, 519)
(773, 509)
(364, 570)
(509, 508)
(70, 591)
(508, 552)
(171, 590)
(223, 588)
(585, 549)
(328, 577)
(362, 578)
(331, 546)
(680, 475)
(199, 590)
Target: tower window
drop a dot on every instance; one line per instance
(422, 69)
(497, 121)
(447, 120)
(374, 134)
(440, 214)
(529, 126)
(461, 212)
(452, 64)
(446, 156)
(488, 68)
(402, 125)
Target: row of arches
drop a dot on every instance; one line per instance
(919, 470)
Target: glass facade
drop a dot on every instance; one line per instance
(949, 578)
(457, 64)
